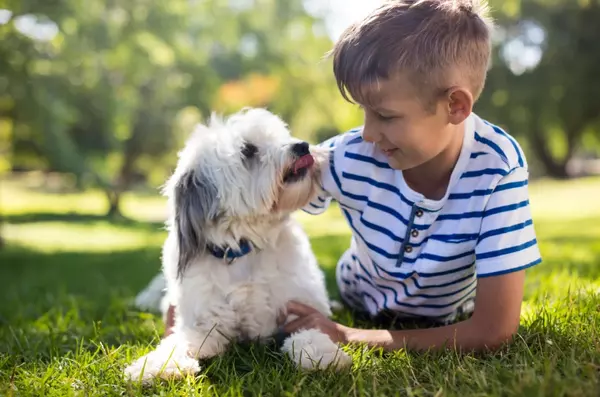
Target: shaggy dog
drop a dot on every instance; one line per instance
(234, 257)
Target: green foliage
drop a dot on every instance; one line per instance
(102, 98)
(552, 103)
(112, 89)
(66, 326)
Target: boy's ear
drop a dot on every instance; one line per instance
(460, 105)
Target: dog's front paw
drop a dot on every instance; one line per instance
(168, 361)
(312, 349)
(146, 368)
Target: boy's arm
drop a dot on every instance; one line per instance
(505, 248)
(494, 322)
(328, 189)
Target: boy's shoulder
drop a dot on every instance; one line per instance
(349, 137)
(349, 150)
(494, 148)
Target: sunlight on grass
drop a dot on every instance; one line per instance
(18, 198)
(559, 200)
(64, 237)
(66, 326)
(330, 222)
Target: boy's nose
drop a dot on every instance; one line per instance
(370, 135)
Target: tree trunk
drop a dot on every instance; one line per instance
(124, 179)
(131, 152)
(1, 229)
(555, 168)
(114, 201)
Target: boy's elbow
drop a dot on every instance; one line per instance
(497, 340)
(496, 337)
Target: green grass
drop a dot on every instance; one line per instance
(68, 275)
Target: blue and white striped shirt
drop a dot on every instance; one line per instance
(422, 257)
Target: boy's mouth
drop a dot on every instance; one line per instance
(388, 152)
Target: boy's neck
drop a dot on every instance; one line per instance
(431, 179)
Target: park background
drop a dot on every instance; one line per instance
(97, 97)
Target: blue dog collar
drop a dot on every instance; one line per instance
(229, 254)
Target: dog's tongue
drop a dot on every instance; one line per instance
(303, 162)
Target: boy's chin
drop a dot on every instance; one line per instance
(399, 165)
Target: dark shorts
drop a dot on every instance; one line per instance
(388, 319)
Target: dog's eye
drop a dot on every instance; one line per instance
(249, 150)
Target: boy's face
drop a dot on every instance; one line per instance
(402, 128)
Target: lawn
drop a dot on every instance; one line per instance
(66, 327)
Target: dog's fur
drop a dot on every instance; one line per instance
(232, 184)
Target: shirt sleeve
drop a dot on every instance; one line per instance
(507, 241)
(328, 189)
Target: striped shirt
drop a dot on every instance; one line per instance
(420, 257)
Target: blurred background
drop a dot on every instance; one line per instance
(97, 96)
(101, 94)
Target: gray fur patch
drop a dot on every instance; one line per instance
(195, 206)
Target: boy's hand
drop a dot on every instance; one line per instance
(309, 318)
(494, 322)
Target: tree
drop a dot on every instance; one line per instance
(544, 81)
(101, 99)
(102, 92)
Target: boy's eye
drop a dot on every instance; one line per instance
(379, 116)
(385, 118)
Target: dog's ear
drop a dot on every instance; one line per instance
(195, 206)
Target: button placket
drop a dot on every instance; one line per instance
(410, 232)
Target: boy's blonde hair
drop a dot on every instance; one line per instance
(433, 43)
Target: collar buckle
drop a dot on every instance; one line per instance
(228, 256)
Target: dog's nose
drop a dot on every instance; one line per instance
(300, 149)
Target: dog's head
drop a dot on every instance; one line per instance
(235, 178)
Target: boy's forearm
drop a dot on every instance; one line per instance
(465, 335)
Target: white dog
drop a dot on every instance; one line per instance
(234, 257)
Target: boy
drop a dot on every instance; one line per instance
(435, 196)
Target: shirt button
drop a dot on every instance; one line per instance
(408, 249)
(419, 213)
(414, 233)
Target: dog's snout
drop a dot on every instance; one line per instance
(300, 149)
